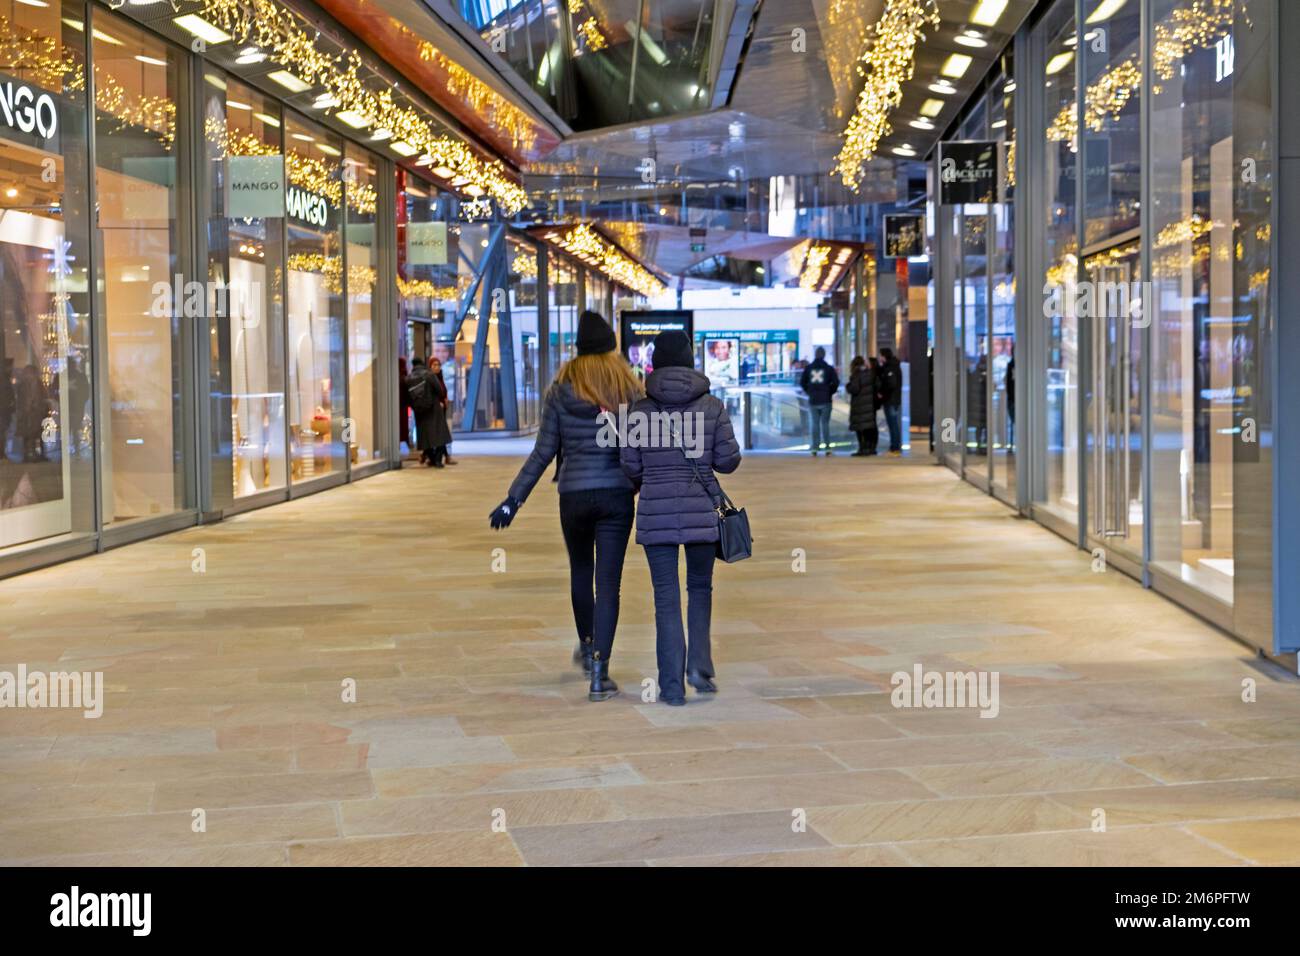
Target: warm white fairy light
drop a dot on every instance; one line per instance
(887, 64)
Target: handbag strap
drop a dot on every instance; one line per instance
(720, 499)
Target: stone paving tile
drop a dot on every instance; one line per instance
(224, 691)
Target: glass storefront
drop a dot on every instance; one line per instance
(218, 334)
(1129, 406)
(47, 365)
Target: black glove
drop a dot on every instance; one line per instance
(505, 513)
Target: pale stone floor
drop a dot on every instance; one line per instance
(224, 694)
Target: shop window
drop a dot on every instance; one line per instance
(46, 364)
(361, 432)
(314, 306)
(243, 139)
(149, 306)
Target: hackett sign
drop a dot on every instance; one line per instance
(968, 172)
(24, 109)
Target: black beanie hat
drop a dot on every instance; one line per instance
(594, 335)
(673, 349)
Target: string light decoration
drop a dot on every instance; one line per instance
(887, 64)
(585, 243)
(276, 31)
(524, 265)
(593, 39)
(482, 99)
(1186, 30)
(425, 289)
(814, 264)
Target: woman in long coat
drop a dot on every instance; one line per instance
(431, 432)
(862, 405)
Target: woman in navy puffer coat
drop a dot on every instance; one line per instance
(676, 509)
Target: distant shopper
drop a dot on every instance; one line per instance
(677, 511)
(32, 409)
(862, 405)
(8, 405)
(403, 405)
(820, 382)
(428, 401)
(597, 504)
(435, 369)
(891, 398)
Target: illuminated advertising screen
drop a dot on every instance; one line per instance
(638, 330)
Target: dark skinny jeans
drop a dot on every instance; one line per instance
(596, 526)
(670, 642)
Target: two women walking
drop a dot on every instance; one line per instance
(598, 479)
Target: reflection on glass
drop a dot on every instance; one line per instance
(139, 157)
(523, 319)
(242, 136)
(1061, 439)
(361, 435)
(314, 311)
(1210, 271)
(1112, 64)
(1002, 365)
(46, 463)
(975, 224)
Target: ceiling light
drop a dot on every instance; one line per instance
(943, 88)
(904, 151)
(152, 61)
(353, 119)
(1058, 63)
(1105, 10)
(425, 160)
(213, 80)
(972, 39)
(1071, 40)
(328, 150)
(236, 105)
(932, 108)
(474, 190)
(250, 54)
(11, 193)
(381, 134)
(268, 119)
(304, 137)
(75, 24)
(443, 172)
(956, 65)
(1010, 87)
(104, 37)
(921, 123)
(988, 12)
(402, 147)
(997, 124)
(34, 3)
(205, 31)
(288, 81)
(325, 101)
(460, 181)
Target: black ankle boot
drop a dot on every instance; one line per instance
(582, 654)
(602, 687)
(702, 683)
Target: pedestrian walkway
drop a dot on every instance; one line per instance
(471, 741)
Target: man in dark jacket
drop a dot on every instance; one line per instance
(891, 397)
(820, 382)
(680, 509)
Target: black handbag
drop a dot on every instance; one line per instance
(735, 543)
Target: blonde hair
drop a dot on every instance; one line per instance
(604, 379)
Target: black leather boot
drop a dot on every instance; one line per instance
(582, 654)
(702, 683)
(602, 687)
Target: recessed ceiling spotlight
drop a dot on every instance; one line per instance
(956, 65)
(932, 108)
(205, 31)
(942, 87)
(921, 123)
(971, 39)
(381, 134)
(250, 54)
(988, 12)
(904, 150)
(290, 82)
